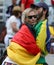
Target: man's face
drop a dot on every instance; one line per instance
(39, 12)
(32, 17)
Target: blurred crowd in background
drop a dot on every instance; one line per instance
(9, 4)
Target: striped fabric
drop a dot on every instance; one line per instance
(41, 35)
(23, 49)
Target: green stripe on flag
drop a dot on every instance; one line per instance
(37, 28)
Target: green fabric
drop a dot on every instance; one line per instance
(37, 28)
(41, 60)
(37, 1)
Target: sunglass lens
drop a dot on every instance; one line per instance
(30, 17)
(34, 16)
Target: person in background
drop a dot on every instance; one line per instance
(26, 4)
(3, 56)
(51, 28)
(13, 24)
(23, 49)
(51, 11)
(9, 9)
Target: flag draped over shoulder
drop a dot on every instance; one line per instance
(23, 49)
(41, 35)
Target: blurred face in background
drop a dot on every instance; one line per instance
(19, 14)
(14, 2)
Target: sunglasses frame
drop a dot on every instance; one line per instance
(30, 17)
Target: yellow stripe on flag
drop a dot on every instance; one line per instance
(20, 55)
(41, 38)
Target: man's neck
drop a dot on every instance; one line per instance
(43, 18)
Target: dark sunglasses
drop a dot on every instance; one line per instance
(30, 17)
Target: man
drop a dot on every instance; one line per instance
(12, 24)
(42, 30)
(9, 10)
